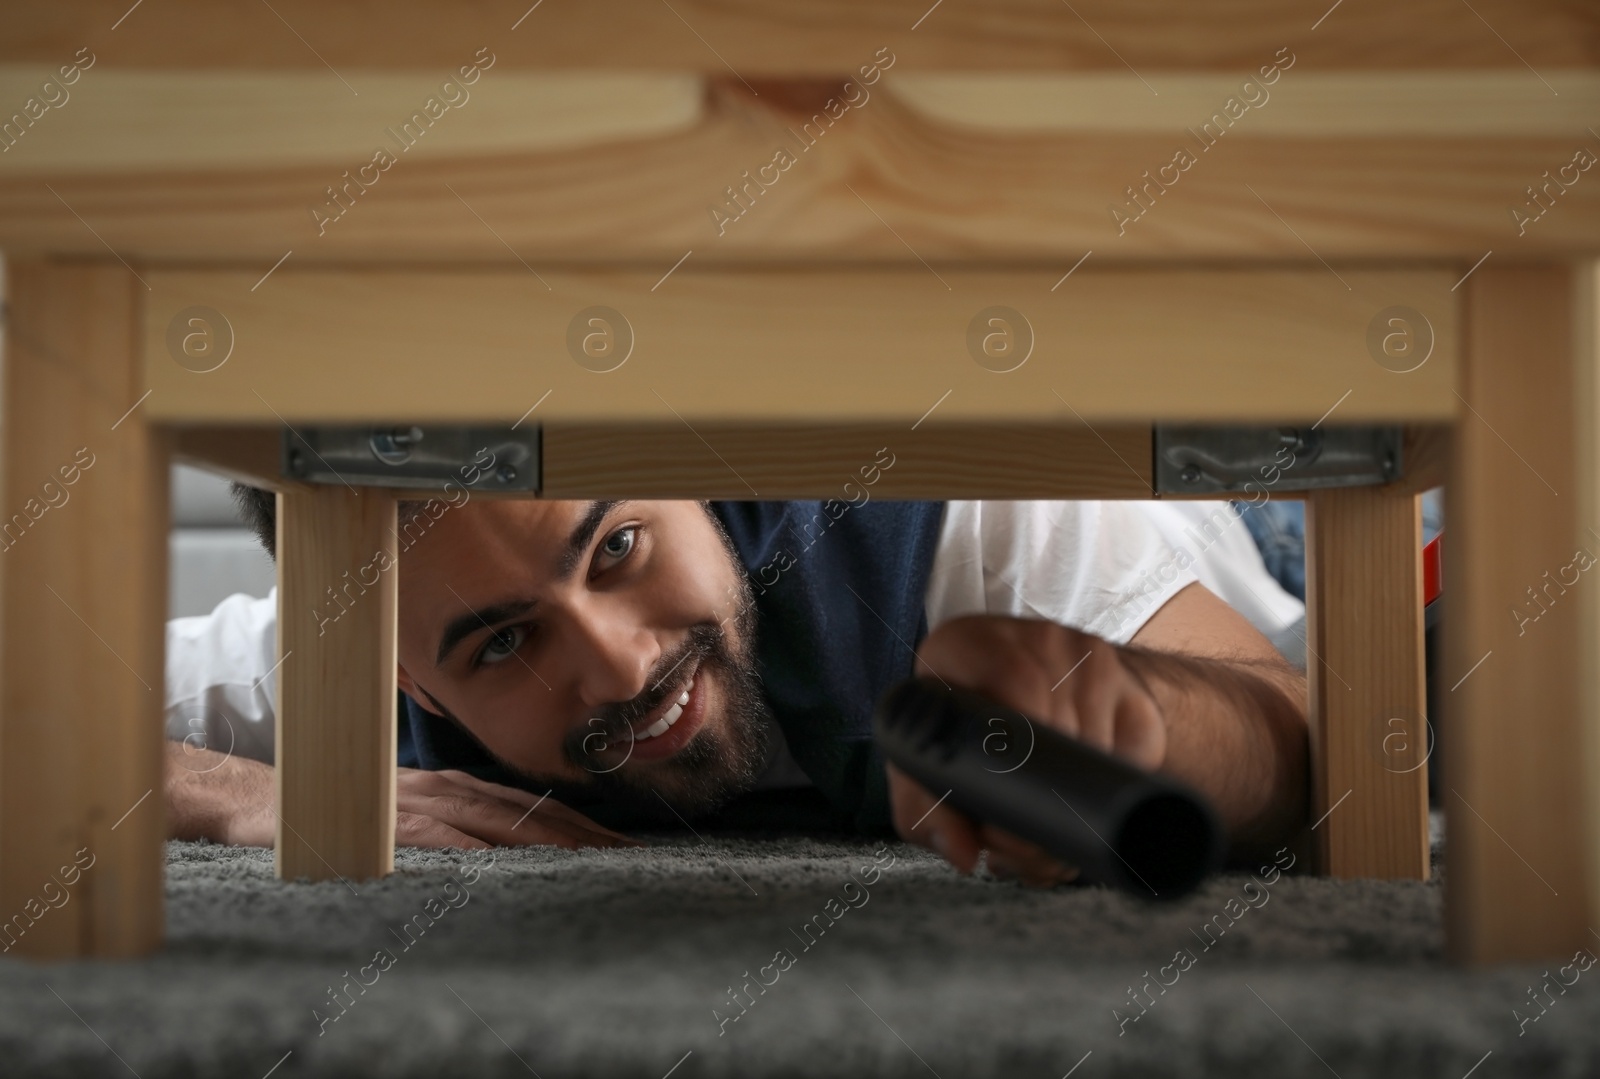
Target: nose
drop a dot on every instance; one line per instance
(613, 652)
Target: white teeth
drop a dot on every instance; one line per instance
(668, 718)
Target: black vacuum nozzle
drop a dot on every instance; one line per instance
(1144, 833)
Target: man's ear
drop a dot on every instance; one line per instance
(406, 684)
(421, 696)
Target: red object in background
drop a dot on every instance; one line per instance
(1430, 570)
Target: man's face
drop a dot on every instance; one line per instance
(563, 635)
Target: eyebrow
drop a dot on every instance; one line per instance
(463, 626)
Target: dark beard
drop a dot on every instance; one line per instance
(716, 765)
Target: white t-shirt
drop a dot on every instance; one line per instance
(1102, 567)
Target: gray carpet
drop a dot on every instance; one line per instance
(608, 963)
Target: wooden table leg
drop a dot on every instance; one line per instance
(1520, 587)
(1366, 673)
(83, 599)
(1586, 345)
(337, 603)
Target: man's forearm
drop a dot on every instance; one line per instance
(219, 797)
(1236, 731)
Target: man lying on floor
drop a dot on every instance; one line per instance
(669, 659)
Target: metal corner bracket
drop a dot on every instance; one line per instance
(412, 455)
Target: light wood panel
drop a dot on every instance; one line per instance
(83, 597)
(1425, 457)
(766, 37)
(129, 123)
(1515, 718)
(745, 461)
(335, 736)
(802, 345)
(1367, 680)
(1296, 102)
(248, 455)
(1069, 460)
(119, 121)
(553, 169)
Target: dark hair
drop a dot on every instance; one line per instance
(258, 509)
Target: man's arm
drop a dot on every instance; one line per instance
(232, 800)
(1198, 694)
(216, 796)
(1235, 714)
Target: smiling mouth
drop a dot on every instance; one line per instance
(665, 721)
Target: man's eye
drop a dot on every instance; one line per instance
(620, 543)
(501, 644)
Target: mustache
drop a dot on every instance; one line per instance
(613, 724)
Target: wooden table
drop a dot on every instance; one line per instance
(225, 220)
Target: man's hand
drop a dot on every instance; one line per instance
(231, 800)
(1071, 681)
(1198, 693)
(453, 809)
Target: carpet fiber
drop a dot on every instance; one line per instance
(627, 962)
